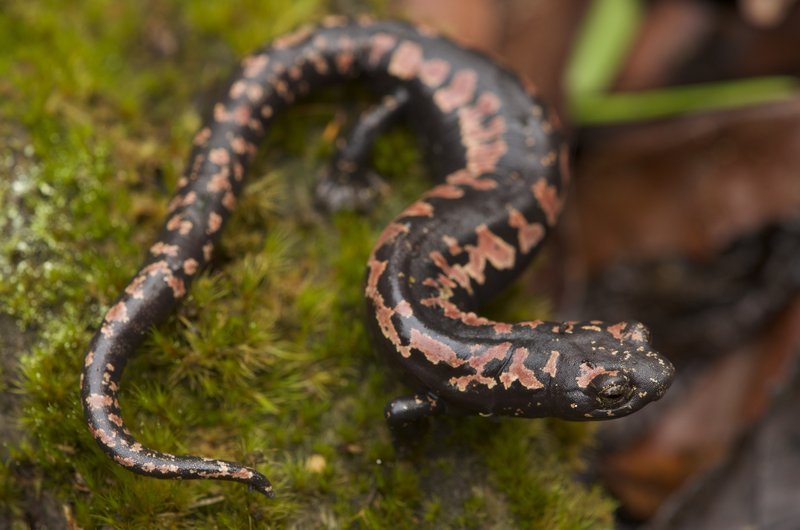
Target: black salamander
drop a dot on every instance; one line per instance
(501, 169)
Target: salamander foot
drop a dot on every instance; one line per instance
(337, 191)
(407, 418)
(348, 183)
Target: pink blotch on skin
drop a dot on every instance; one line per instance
(517, 371)
(503, 327)
(380, 44)
(457, 273)
(433, 72)
(97, 401)
(118, 313)
(208, 250)
(403, 308)
(434, 350)
(406, 60)
(551, 367)
(453, 311)
(390, 233)
(229, 201)
(190, 266)
(465, 178)
(444, 191)
(177, 285)
(219, 156)
(202, 136)
(255, 66)
(452, 245)
(383, 313)
(547, 196)
(617, 329)
(491, 248)
(417, 209)
(219, 181)
(458, 92)
(528, 234)
(185, 227)
(588, 373)
(214, 222)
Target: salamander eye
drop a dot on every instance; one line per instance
(612, 389)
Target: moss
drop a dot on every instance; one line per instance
(10, 495)
(266, 361)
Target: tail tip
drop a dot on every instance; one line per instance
(262, 485)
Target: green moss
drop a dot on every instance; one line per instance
(538, 486)
(10, 494)
(266, 361)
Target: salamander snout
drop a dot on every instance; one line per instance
(653, 375)
(651, 372)
(631, 385)
(619, 372)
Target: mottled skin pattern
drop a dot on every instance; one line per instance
(502, 171)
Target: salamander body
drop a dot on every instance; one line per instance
(501, 171)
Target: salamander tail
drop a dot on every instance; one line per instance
(99, 387)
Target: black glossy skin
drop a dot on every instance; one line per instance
(503, 171)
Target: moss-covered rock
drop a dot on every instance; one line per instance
(267, 361)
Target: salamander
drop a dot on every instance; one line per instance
(501, 169)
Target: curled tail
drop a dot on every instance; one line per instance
(148, 299)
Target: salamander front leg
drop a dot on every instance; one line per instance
(407, 417)
(349, 183)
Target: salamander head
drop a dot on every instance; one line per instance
(612, 370)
